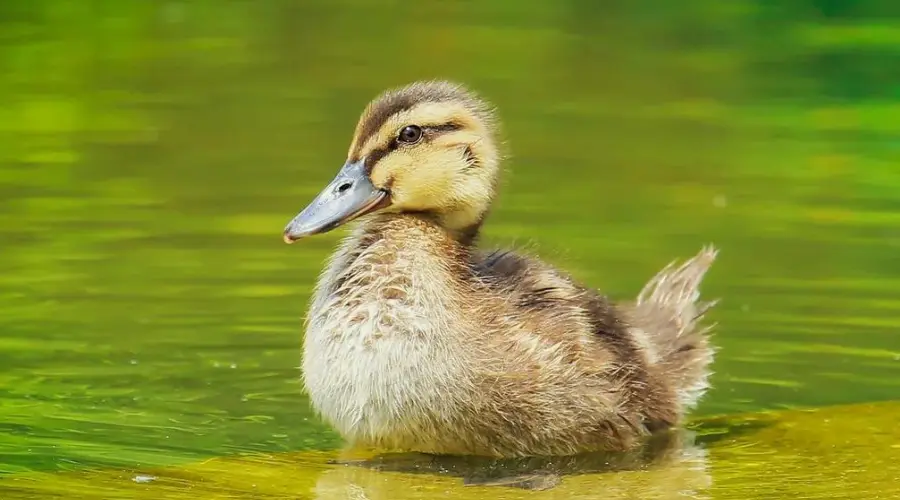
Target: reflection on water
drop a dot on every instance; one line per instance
(670, 472)
(664, 450)
(151, 152)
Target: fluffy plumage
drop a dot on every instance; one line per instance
(416, 340)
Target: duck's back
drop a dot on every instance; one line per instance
(628, 369)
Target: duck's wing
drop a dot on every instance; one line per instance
(590, 331)
(663, 325)
(652, 352)
(558, 307)
(523, 280)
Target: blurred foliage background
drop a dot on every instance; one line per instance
(151, 153)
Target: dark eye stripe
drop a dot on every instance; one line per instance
(442, 128)
(378, 153)
(430, 132)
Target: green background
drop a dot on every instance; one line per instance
(151, 153)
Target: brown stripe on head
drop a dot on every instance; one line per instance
(400, 100)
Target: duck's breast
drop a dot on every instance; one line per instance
(380, 358)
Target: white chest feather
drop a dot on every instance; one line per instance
(376, 364)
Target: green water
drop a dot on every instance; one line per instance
(151, 153)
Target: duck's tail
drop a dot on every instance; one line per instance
(669, 312)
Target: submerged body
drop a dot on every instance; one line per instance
(418, 341)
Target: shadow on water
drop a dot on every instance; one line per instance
(710, 431)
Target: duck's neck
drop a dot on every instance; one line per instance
(390, 246)
(449, 236)
(463, 226)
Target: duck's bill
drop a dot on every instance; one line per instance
(350, 195)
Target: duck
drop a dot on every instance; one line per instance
(419, 340)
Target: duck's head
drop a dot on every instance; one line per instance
(426, 148)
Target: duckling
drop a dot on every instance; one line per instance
(417, 340)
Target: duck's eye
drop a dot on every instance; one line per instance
(410, 134)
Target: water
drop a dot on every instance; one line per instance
(150, 154)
